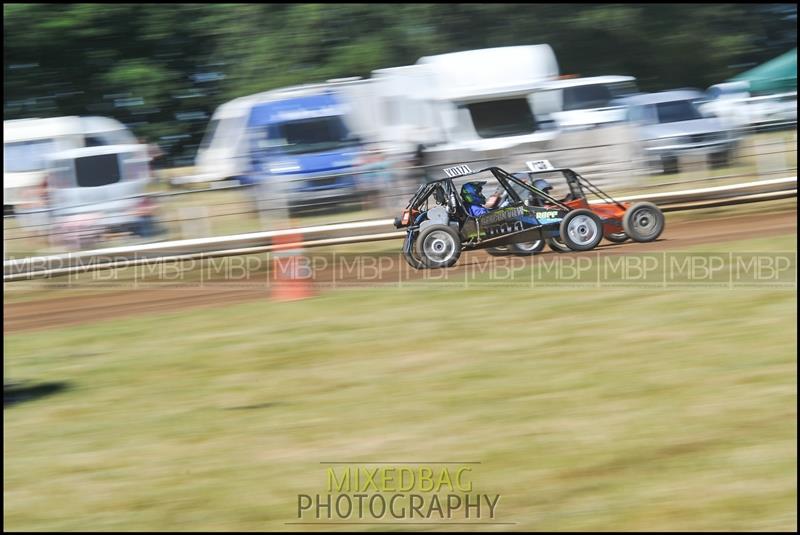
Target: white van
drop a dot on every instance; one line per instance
(226, 147)
(28, 142)
(223, 150)
(590, 102)
(105, 180)
(474, 101)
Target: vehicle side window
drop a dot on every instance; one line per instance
(94, 141)
(635, 114)
(112, 137)
(26, 156)
(645, 114)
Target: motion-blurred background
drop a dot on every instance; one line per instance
(111, 110)
(142, 400)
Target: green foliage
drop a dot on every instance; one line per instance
(183, 60)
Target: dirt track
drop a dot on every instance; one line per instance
(73, 310)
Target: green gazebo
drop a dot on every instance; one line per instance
(778, 75)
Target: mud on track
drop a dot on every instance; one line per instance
(115, 302)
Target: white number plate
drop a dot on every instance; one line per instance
(539, 165)
(457, 170)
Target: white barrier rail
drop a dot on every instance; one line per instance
(322, 235)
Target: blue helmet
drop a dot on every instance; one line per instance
(472, 193)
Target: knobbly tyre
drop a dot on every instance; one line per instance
(440, 225)
(641, 222)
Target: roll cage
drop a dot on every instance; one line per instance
(577, 184)
(445, 192)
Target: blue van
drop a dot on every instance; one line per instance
(305, 143)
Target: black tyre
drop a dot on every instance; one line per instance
(438, 246)
(581, 230)
(527, 248)
(498, 251)
(409, 253)
(717, 160)
(557, 245)
(643, 222)
(669, 165)
(617, 237)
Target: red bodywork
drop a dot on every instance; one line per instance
(610, 213)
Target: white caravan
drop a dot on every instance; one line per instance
(28, 142)
(472, 102)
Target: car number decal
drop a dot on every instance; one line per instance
(539, 165)
(458, 170)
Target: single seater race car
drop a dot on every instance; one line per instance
(440, 223)
(641, 222)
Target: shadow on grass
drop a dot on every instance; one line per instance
(15, 393)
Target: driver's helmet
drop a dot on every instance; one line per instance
(543, 185)
(472, 193)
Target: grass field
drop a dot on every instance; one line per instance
(588, 409)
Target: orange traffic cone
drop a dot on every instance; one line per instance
(292, 278)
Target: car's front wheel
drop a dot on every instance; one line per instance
(409, 252)
(438, 246)
(581, 230)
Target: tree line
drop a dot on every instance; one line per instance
(163, 69)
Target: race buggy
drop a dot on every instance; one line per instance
(440, 225)
(641, 222)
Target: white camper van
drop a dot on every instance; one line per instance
(104, 180)
(473, 101)
(590, 102)
(28, 142)
(226, 148)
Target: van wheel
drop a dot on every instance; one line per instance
(438, 246)
(669, 165)
(717, 160)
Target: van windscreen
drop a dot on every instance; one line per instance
(26, 156)
(676, 111)
(305, 136)
(99, 170)
(500, 118)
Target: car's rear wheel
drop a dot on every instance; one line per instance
(617, 237)
(581, 230)
(527, 248)
(557, 245)
(498, 251)
(643, 222)
(438, 246)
